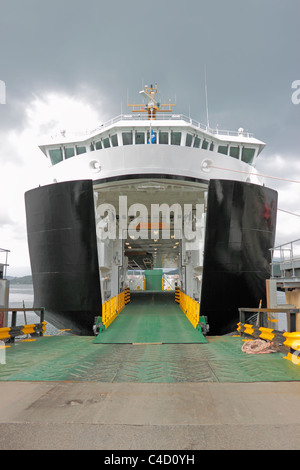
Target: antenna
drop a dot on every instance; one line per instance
(207, 120)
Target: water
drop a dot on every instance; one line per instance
(19, 293)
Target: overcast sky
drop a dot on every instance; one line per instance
(71, 63)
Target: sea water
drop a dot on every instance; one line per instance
(21, 295)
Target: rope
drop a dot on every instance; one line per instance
(259, 346)
(263, 176)
(253, 174)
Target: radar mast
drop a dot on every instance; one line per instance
(153, 106)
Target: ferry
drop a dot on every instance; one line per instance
(147, 193)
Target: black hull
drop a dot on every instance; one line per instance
(63, 254)
(240, 230)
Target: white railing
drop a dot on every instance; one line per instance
(144, 117)
(285, 259)
(3, 262)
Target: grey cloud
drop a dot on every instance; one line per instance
(249, 48)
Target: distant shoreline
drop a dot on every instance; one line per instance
(20, 280)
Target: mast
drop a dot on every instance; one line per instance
(153, 106)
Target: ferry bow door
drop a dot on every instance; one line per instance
(240, 230)
(63, 254)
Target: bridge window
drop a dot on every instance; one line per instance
(175, 138)
(127, 138)
(234, 152)
(247, 155)
(139, 138)
(98, 145)
(212, 146)
(56, 156)
(188, 140)
(69, 152)
(163, 137)
(205, 145)
(223, 149)
(80, 150)
(114, 140)
(106, 143)
(197, 142)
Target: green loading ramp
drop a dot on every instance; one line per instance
(151, 317)
(154, 279)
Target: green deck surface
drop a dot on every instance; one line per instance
(78, 358)
(151, 318)
(183, 355)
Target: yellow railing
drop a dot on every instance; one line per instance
(112, 307)
(11, 333)
(287, 342)
(189, 306)
(293, 342)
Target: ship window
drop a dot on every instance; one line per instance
(127, 138)
(205, 144)
(114, 140)
(163, 137)
(106, 143)
(175, 138)
(139, 138)
(234, 152)
(92, 146)
(80, 150)
(212, 146)
(247, 155)
(98, 145)
(188, 140)
(69, 152)
(197, 142)
(56, 156)
(223, 149)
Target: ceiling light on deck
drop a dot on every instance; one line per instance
(151, 187)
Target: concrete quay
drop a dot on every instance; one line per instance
(149, 416)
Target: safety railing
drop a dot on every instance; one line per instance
(286, 342)
(112, 307)
(144, 117)
(8, 334)
(191, 308)
(286, 260)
